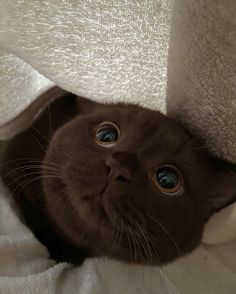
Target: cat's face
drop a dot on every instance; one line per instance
(133, 184)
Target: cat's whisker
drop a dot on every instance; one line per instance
(145, 242)
(59, 197)
(50, 120)
(32, 167)
(21, 168)
(134, 244)
(32, 174)
(47, 140)
(59, 148)
(68, 198)
(145, 250)
(121, 232)
(156, 251)
(142, 247)
(130, 248)
(61, 194)
(65, 152)
(143, 235)
(27, 181)
(166, 232)
(30, 160)
(42, 147)
(153, 252)
(118, 232)
(115, 233)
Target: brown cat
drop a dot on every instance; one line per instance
(114, 180)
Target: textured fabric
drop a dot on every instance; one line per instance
(121, 50)
(202, 71)
(20, 85)
(98, 49)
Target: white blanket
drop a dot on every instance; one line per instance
(120, 50)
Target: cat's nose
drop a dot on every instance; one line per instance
(119, 174)
(120, 166)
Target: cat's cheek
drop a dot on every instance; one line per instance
(65, 213)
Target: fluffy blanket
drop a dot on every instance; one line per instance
(177, 58)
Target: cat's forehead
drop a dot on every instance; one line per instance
(143, 126)
(136, 118)
(126, 113)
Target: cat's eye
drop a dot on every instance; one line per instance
(169, 180)
(107, 134)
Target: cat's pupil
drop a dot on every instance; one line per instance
(167, 178)
(107, 135)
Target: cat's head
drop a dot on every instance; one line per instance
(133, 184)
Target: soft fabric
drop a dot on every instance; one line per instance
(177, 58)
(104, 50)
(201, 88)
(221, 227)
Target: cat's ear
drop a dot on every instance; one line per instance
(224, 188)
(85, 105)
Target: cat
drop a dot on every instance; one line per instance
(114, 180)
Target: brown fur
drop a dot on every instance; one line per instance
(59, 178)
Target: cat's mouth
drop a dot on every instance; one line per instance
(99, 206)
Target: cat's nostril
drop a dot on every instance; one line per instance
(120, 174)
(121, 178)
(108, 169)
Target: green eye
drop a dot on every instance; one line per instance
(107, 134)
(169, 180)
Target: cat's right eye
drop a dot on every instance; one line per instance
(107, 134)
(169, 180)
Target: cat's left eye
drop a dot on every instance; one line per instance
(107, 134)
